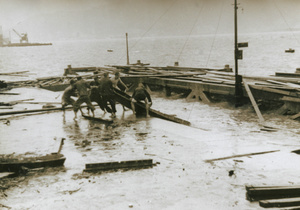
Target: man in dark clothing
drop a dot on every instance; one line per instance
(95, 95)
(141, 94)
(107, 93)
(82, 88)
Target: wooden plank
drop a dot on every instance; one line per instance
(282, 74)
(32, 111)
(286, 202)
(118, 165)
(272, 90)
(255, 193)
(241, 155)
(291, 99)
(254, 104)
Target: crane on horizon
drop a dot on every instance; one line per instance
(23, 36)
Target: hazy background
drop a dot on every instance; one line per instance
(60, 20)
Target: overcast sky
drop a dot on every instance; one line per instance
(57, 19)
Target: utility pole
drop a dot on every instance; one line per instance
(127, 49)
(237, 55)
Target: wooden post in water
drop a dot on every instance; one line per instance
(127, 49)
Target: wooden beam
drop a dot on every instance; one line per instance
(118, 165)
(32, 110)
(286, 202)
(255, 193)
(254, 104)
(242, 155)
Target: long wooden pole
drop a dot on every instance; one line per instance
(127, 49)
(236, 53)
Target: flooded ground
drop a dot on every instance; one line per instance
(180, 180)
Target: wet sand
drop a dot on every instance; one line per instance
(180, 180)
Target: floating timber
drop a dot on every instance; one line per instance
(132, 164)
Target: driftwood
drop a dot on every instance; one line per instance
(242, 155)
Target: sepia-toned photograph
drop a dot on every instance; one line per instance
(149, 104)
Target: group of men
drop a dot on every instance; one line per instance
(102, 92)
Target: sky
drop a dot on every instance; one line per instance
(86, 19)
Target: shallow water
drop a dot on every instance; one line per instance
(182, 180)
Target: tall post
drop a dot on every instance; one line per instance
(127, 49)
(238, 78)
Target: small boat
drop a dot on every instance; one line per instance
(16, 164)
(109, 50)
(290, 50)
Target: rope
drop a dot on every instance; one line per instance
(215, 34)
(190, 32)
(165, 12)
(286, 22)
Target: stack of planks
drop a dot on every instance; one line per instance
(275, 196)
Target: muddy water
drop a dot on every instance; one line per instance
(181, 179)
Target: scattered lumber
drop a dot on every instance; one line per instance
(131, 164)
(242, 155)
(255, 193)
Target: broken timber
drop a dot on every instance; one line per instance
(242, 155)
(93, 167)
